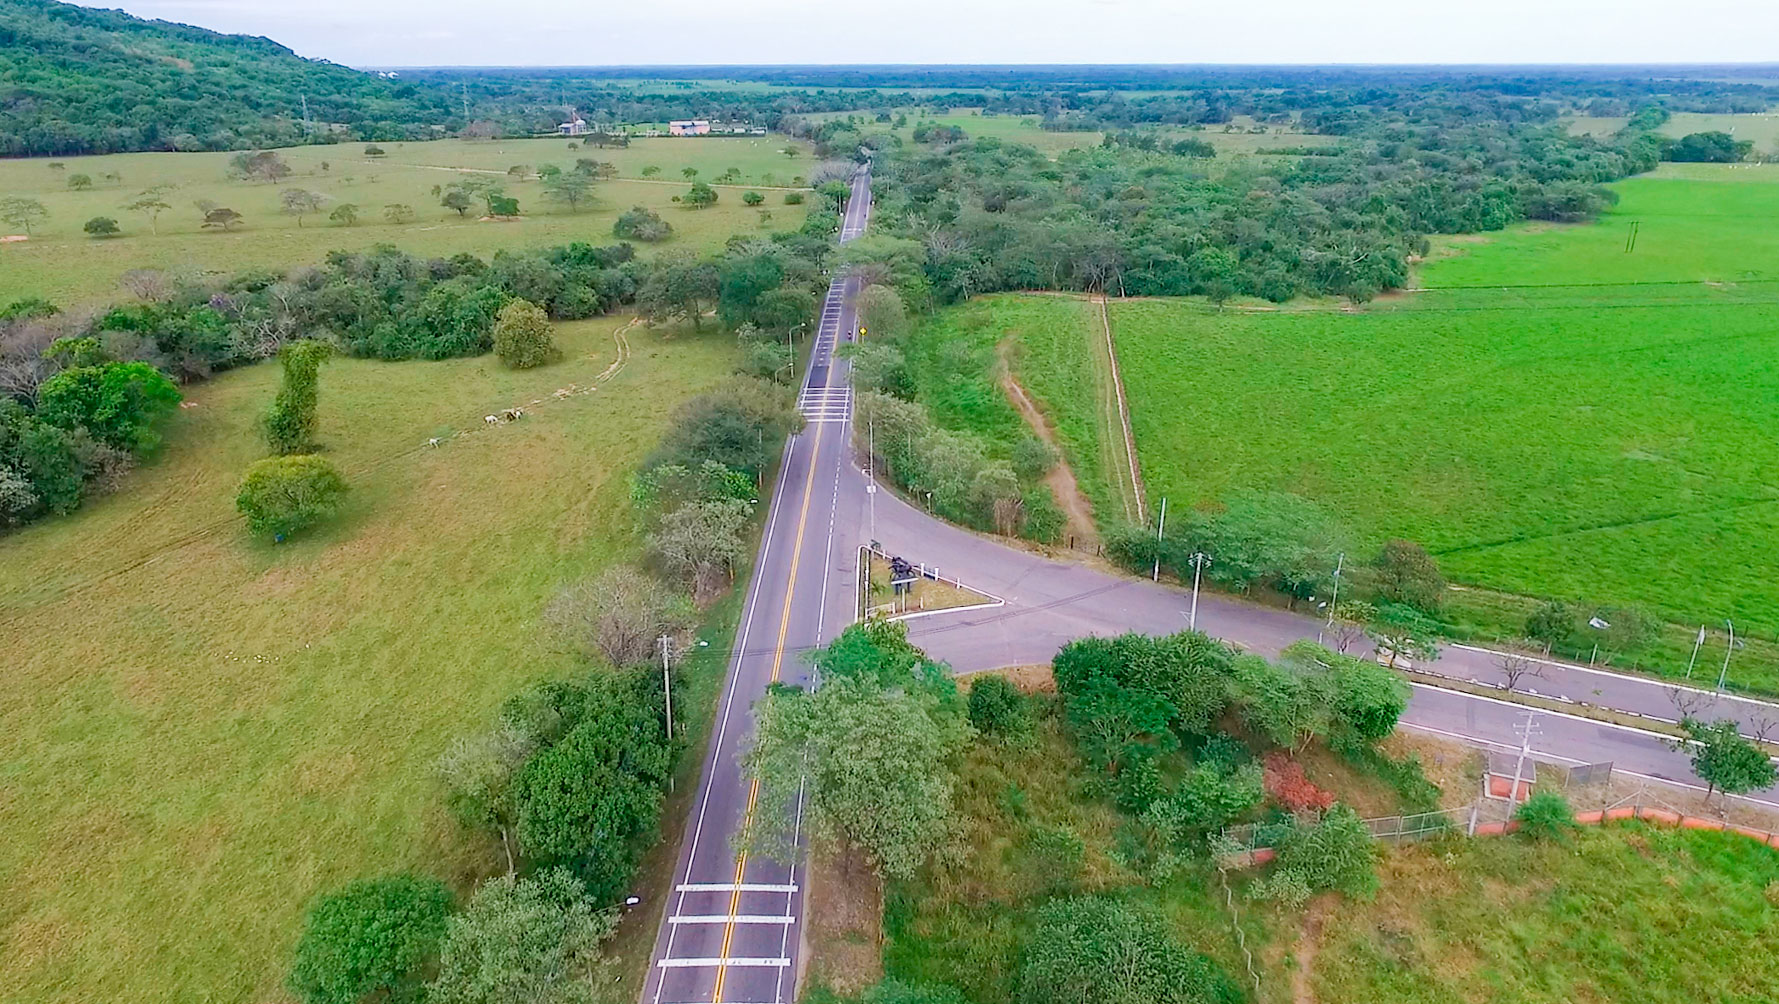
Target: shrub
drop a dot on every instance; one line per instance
(522, 336)
(1335, 853)
(116, 403)
(1094, 950)
(997, 708)
(530, 939)
(1553, 623)
(373, 151)
(1405, 573)
(1545, 816)
(793, 198)
(283, 495)
(1290, 788)
(752, 198)
(102, 226)
(373, 937)
(640, 223)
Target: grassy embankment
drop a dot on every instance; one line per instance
(1625, 913)
(62, 263)
(201, 732)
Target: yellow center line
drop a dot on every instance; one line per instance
(753, 791)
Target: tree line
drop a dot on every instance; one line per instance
(1135, 218)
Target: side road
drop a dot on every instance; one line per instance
(1049, 603)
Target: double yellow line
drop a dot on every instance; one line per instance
(784, 627)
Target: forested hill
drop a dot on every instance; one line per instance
(75, 80)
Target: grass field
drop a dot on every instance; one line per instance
(1762, 129)
(1628, 913)
(1554, 416)
(957, 354)
(201, 732)
(60, 262)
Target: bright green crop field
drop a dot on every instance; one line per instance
(62, 263)
(1553, 415)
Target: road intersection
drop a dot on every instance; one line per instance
(731, 928)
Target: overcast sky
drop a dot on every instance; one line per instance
(614, 32)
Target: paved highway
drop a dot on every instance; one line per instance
(731, 929)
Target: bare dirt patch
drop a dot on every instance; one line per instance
(845, 920)
(1060, 478)
(1308, 941)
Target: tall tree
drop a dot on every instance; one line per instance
(879, 766)
(533, 939)
(22, 212)
(570, 188)
(1726, 761)
(299, 203)
(290, 424)
(152, 203)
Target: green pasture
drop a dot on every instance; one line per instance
(201, 732)
(1627, 913)
(1552, 415)
(62, 263)
(1761, 128)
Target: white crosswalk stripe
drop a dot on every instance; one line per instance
(733, 887)
(732, 918)
(825, 404)
(712, 963)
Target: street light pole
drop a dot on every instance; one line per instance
(1199, 561)
(1697, 641)
(1160, 525)
(1728, 649)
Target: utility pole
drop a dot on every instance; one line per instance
(1527, 730)
(1199, 561)
(1340, 561)
(1160, 525)
(666, 682)
(871, 470)
(1728, 649)
(1700, 640)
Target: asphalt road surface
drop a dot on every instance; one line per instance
(1048, 603)
(731, 928)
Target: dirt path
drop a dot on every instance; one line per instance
(1308, 941)
(1060, 478)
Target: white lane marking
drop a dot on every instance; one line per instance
(731, 918)
(734, 887)
(759, 586)
(1545, 711)
(713, 963)
(1558, 756)
(1644, 680)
